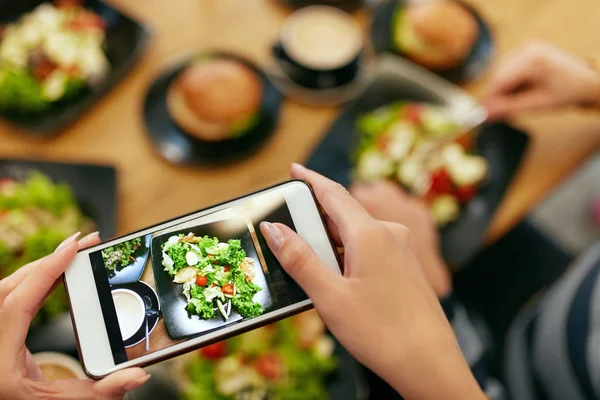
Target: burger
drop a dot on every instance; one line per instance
(216, 99)
(437, 34)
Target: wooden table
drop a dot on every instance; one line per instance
(151, 190)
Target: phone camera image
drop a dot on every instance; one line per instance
(192, 278)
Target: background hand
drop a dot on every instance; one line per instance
(21, 296)
(386, 201)
(382, 309)
(540, 76)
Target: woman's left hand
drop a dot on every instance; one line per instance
(21, 296)
(386, 201)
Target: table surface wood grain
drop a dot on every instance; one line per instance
(151, 190)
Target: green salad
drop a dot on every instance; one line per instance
(51, 54)
(120, 256)
(289, 360)
(36, 215)
(215, 275)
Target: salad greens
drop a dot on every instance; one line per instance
(120, 255)
(274, 362)
(215, 275)
(36, 215)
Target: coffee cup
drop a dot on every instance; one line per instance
(320, 47)
(57, 366)
(131, 311)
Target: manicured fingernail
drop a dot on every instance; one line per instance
(298, 167)
(91, 235)
(136, 383)
(272, 234)
(67, 241)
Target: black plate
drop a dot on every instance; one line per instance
(348, 5)
(179, 324)
(133, 272)
(125, 41)
(172, 143)
(501, 145)
(143, 289)
(476, 61)
(94, 186)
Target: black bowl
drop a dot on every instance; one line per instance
(473, 65)
(501, 145)
(171, 142)
(125, 41)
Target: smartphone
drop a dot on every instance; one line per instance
(191, 281)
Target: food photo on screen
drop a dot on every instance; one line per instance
(192, 278)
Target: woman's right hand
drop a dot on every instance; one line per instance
(382, 309)
(541, 76)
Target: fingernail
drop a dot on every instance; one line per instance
(272, 234)
(91, 235)
(136, 383)
(298, 167)
(67, 241)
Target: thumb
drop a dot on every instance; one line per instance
(113, 387)
(299, 260)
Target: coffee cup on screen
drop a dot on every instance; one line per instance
(320, 47)
(131, 311)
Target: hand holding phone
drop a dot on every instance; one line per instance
(21, 295)
(382, 310)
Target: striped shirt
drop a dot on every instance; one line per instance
(553, 346)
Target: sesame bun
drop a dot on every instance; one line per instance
(211, 97)
(437, 34)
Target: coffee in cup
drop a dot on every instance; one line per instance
(320, 47)
(131, 311)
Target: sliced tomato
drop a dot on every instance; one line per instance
(441, 182)
(227, 289)
(201, 280)
(270, 365)
(465, 193)
(413, 112)
(214, 351)
(226, 268)
(6, 180)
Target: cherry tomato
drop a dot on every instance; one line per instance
(43, 69)
(214, 351)
(465, 193)
(440, 182)
(412, 113)
(226, 268)
(214, 285)
(201, 280)
(270, 366)
(227, 289)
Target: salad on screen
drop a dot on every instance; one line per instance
(215, 276)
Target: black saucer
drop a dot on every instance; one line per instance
(132, 272)
(172, 143)
(143, 289)
(348, 5)
(473, 65)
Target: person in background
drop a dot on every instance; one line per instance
(547, 341)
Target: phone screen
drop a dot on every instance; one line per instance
(192, 278)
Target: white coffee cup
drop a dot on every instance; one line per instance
(131, 311)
